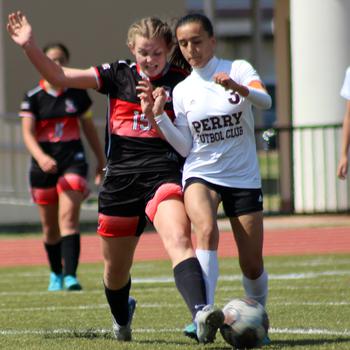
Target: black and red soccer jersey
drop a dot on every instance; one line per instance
(56, 114)
(132, 145)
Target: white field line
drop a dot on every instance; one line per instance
(299, 331)
(153, 306)
(166, 279)
(224, 264)
(224, 278)
(153, 289)
(311, 331)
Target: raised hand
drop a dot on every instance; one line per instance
(225, 81)
(160, 97)
(145, 90)
(19, 28)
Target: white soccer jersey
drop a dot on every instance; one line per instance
(345, 90)
(221, 123)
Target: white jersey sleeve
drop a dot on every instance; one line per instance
(177, 134)
(345, 90)
(243, 72)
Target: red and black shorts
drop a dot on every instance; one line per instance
(127, 201)
(71, 175)
(235, 201)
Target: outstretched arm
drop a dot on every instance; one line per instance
(21, 33)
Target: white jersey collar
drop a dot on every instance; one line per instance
(208, 70)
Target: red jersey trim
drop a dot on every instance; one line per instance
(52, 92)
(98, 78)
(127, 119)
(57, 129)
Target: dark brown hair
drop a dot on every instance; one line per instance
(176, 56)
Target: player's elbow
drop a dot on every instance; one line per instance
(267, 103)
(57, 80)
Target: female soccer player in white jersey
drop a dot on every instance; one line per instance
(215, 131)
(143, 178)
(343, 165)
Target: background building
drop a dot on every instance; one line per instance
(95, 32)
(300, 49)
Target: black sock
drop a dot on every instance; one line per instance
(190, 283)
(70, 253)
(118, 301)
(54, 256)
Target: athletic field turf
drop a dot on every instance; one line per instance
(309, 306)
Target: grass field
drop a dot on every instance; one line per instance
(309, 307)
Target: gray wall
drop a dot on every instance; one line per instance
(94, 31)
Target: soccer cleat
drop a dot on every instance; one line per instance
(56, 282)
(191, 331)
(208, 321)
(266, 340)
(71, 283)
(123, 333)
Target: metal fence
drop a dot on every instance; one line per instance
(298, 167)
(276, 151)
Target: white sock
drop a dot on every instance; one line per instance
(257, 289)
(208, 260)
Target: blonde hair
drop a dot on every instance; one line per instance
(150, 27)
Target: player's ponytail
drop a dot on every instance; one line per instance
(177, 59)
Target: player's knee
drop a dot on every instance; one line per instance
(44, 196)
(178, 241)
(206, 233)
(72, 182)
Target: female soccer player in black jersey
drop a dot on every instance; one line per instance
(143, 176)
(51, 122)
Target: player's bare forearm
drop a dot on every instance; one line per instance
(93, 140)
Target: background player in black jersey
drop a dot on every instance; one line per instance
(143, 176)
(51, 122)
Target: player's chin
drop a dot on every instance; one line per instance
(153, 73)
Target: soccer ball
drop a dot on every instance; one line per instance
(246, 323)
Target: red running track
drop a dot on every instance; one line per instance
(299, 241)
